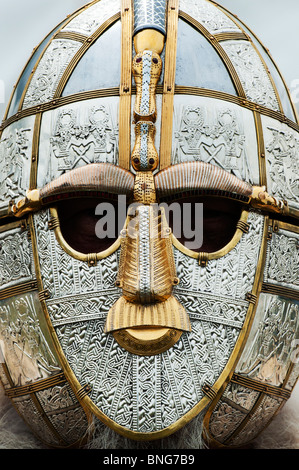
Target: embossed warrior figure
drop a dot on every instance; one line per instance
(149, 231)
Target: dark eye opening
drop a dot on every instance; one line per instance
(204, 224)
(91, 225)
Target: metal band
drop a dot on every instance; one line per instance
(36, 386)
(69, 35)
(261, 387)
(18, 290)
(79, 54)
(281, 291)
(83, 392)
(35, 151)
(209, 392)
(69, 19)
(241, 23)
(243, 337)
(230, 36)
(125, 90)
(261, 148)
(169, 84)
(212, 39)
(179, 90)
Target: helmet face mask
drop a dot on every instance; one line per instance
(149, 230)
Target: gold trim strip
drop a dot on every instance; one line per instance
(35, 387)
(7, 375)
(12, 225)
(179, 90)
(70, 35)
(35, 151)
(277, 225)
(90, 258)
(231, 36)
(62, 101)
(79, 54)
(237, 100)
(241, 23)
(61, 440)
(169, 83)
(274, 289)
(228, 371)
(213, 41)
(125, 90)
(217, 254)
(261, 148)
(69, 375)
(64, 23)
(261, 387)
(245, 420)
(18, 290)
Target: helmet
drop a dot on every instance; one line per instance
(149, 210)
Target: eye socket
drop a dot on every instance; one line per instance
(91, 225)
(204, 224)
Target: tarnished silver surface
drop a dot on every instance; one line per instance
(211, 17)
(49, 71)
(67, 422)
(91, 18)
(15, 159)
(282, 146)
(269, 351)
(25, 341)
(258, 421)
(16, 258)
(216, 132)
(150, 14)
(282, 262)
(77, 135)
(252, 73)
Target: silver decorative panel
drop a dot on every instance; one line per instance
(15, 159)
(258, 421)
(240, 396)
(282, 262)
(217, 132)
(76, 135)
(147, 393)
(64, 412)
(150, 14)
(16, 258)
(282, 149)
(91, 18)
(24, 340)
(49, 71)
(269, 350)
(252, 73)
(211, 17)
(29, 411)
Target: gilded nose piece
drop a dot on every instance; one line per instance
(147, 276)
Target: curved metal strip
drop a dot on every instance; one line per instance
(94, 177)
(190, 176)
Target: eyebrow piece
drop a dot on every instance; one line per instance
(202, 178)
(89, 180)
